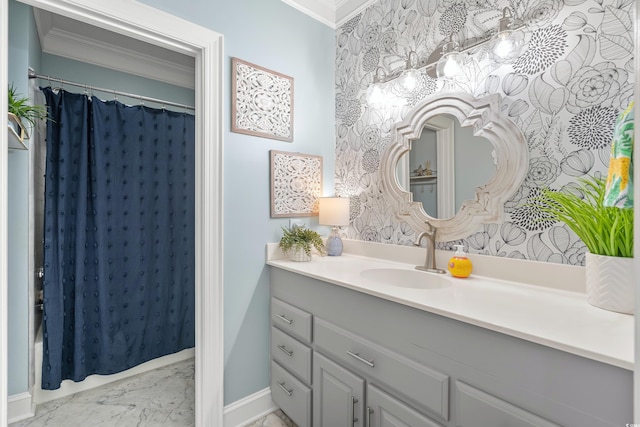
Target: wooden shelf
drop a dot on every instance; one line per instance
(423, 178)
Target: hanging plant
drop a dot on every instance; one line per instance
(20, 107)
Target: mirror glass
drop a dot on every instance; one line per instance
(479, 161)
(447, 159)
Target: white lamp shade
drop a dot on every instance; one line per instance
(334, 211)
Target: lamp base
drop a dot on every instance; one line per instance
(334, 243)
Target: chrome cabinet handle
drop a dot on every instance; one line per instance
(284, 319)
(353, 408)
(369, 412)
(285, 351)
(289, 392)
(356, 356)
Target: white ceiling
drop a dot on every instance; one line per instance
(76, 40)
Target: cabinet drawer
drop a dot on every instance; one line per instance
(291, 319)
(291, 395)
(475, 408)
(292, 354)
(417, 383)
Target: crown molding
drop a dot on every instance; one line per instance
(321, 10)
(333, 13)
(347, 9)
(68, 44)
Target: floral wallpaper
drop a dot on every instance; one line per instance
(564, 92)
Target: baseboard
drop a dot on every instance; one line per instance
(19, 407)
(247, 410)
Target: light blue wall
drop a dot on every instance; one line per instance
(23, 52)
(271, 34)
(276, 36)
(81, 72)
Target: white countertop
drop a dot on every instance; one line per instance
(555, 318)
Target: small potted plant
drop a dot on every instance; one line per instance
(607, 231)
(297, 242)
(20, 111)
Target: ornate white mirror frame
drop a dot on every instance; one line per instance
(486, 119)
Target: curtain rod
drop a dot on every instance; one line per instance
(34, 75)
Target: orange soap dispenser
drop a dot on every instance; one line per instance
(459, 264)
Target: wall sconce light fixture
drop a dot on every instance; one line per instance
(506, 45)
(334, 211)
(377, 93)
(450, 65)
(408, 80)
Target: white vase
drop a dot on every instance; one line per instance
(298, 254)
(610, 283)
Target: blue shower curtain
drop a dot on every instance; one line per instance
(119, 236)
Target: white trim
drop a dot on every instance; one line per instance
(249, 409)
(329, 13)
(347, 9)
(145, 23)
(4, 147)
(20, 407)
(321, 11)
(636, 230)
(445, 164)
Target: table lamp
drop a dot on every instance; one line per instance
(334, 211)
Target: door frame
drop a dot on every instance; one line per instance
(139, 21)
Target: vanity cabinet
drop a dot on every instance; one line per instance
(376, 363)
(291, 361)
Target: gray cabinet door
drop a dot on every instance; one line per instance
(387, 411)
(475, 408)
(338, 395)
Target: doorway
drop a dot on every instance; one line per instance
(156, 27)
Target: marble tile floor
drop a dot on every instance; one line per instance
(145, 400)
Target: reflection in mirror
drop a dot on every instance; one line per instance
(445, 165)
(488, 183)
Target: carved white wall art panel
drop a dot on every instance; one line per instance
(296, 183)
(261, 101)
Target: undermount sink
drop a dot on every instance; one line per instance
(406, 278)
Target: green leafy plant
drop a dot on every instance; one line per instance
(20, 106)
(604, 230)
(301, 237)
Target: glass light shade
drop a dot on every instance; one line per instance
(506, 46)
(334, 211)
(407, 81)
(377, 95)
(451, 67)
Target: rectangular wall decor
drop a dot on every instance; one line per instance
(296, 184)
(261, 101)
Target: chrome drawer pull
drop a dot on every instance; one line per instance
(369, 363)
(284, 319)
(285, 351)
(353, 408)
(369, 412)
(289, 392)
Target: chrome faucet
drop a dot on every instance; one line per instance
(430, 260)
